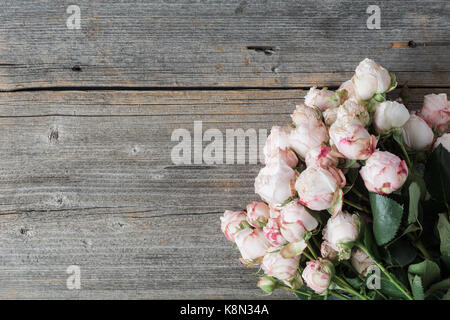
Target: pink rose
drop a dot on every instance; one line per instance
(417, 135)
(384, 172)
(444, 140)
(389, 115)
(295, 221)
(252, 244)
(361, 261)
(257, 214)
(370, 78)
(436, 111)
(275, 265)
(319, 188)
(318, 274)
(231, 221)
(322, 156)
(275, 182)
(286, 155)
(352, 139)
(278, 139)
(309, 130)
(321, 99)
(273, 232)
(340, 231)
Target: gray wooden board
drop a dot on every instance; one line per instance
(86, 179)
(194, 43)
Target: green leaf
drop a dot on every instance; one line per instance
(393, 82)
(417, 288)
(446, 296)
(439, 286)
(414, 197)
(428, 270)
(389, 289)
(387, 216)
(380, 97)
(443, 227)
(369, 241)
(402, 252)
(437, 174)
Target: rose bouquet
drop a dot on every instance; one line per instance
(355, 196)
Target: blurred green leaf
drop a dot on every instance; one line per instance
(414, 197)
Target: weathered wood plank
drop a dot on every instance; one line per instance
(192, 43)
(87, 179)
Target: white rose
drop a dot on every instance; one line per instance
(417, 135)
(370, 78)
(252, 244)
(389, 115)
(295, 221)
(321, 99)
(340, 231)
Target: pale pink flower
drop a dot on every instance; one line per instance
(231, 221)
(278, 139)
(351, 90)
(444, 140)
(286, 155)
(389, 115)
(352, 109)
(321, 99)
(273, 232)
(295, 220)
(330, 116)
(252, 244)
(257, 214)
(322, 156)
(319, 188)
(352, 139)
(436, 111)
(309, 132)
(318, 274)
(417, 135)
(340, 231)
(275, 265)
(361, 261)
(275, 182)
(370, 78)
(384, 172)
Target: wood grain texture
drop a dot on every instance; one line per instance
(215, 43)
(87, 179)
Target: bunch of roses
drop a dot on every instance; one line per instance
(305, 173)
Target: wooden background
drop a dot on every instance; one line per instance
(86, 117)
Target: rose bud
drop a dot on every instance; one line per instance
(275, 182)
(384, 172)
(361, 261)
(327, 252)
(417, 135)
(320, 189)
(322, 156)
(352, 109)
(436, 111)
(352, 139)
(257, 214)
(275, 265)
(273, 232)
(322, 99)
(309, 130)
(252, 244)
(389, 115)
(231, 223)
(318, 274)
(444, 140)
(267, 284)
(295, 221)
(370, 78)
(340, 231)
(278, 139)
